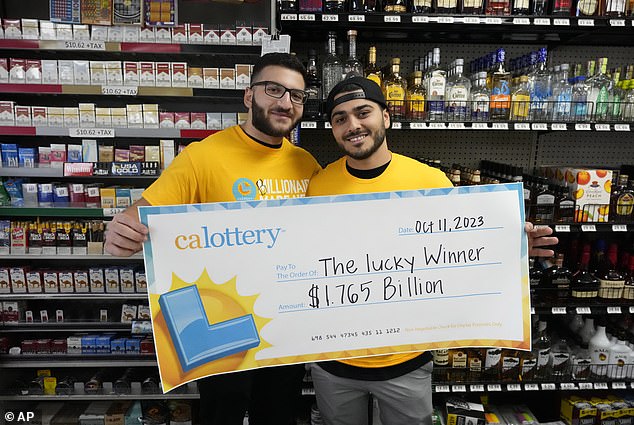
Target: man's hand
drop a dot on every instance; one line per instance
(125, 234)
(538, 237)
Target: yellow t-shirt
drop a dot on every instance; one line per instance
(230, 166)
(402, 173)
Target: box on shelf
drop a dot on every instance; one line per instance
(182, 120)
(259, 32)
(23, 116)
(18, 277)
(30, 29)
(81, 281)
(227, 78)
(242, 76)
(152, 153)
(463, 412)
(115, 33)
(112, 280)
(5, 286)
(244, 34)
(63, 31)
(55, 116)
(97, 279)
(4, 70)
(17, 71)
(163, 74)
(150, 115)
(47, 30)
(147, 35)
(39, 116)
(195, 33)
(214, 121)
(87, 118)
(98, 33)
(33, 71)
(229, 119)
(135, 116)
(211, 78)
(114, 73)
(167, 153)
(119, 117)
(65, 72)
(195, 77)
(179, 34)
(51, 282)
(163, 35)
(7, 116)
(81, 72)
(211, 34)
(34, 282)
(81, 32)
(228, 35)
(198, 120)
(97, 73)
(577, 411)
(131, 73)
(166, 119)
(131, 34)
(12, 29)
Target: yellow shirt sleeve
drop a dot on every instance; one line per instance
(176, 185)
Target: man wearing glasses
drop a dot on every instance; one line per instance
(240, 163)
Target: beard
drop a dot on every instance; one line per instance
(262, 123)
(377, 140)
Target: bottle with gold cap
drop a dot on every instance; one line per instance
(394, 88)
(372, 72)
(415, 98)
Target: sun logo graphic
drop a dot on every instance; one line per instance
(244, 190)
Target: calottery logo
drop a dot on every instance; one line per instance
(244, 190)
(207, 238)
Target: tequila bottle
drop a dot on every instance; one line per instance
(599, 94)
(313, 87)
(436, 83)
(394, 87)
(501, 89)
(457, 94)
(480, 99)
(415, 99)
(332, 69)
(580, 99)
(562, 95)
(541, 89)
(372, 72)
(352, 67)
(520, 101)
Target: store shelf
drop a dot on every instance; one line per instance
(67, 327)
(460, 28)
(58, 212)
(520, 387)
(74, 361)
(95, 397)
(104, 257)
(595, 306)
(75, 296)
(589, 227)
(106, 133)
(123, 47)
(108, 90)
(49, 172)
(497, 126)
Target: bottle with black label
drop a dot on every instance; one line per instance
(511, 365)
(492, 364)
(543, 345)
(441, 363)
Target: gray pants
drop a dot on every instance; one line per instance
(405, 400)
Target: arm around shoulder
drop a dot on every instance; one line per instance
(125, 233)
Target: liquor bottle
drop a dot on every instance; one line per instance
(372, 72)
(510, 365)
(562, 96)
(543, 345)
(457, 365)
(561, 358)
(528, 365)
(352, 67)
(587, 332)
(498, 7)
(619, 356)
(581, 362)
(615, 8)
(615, 97)
(491, 371)
(564, 206)
(310, 5)
(364, 6)
(457, 94)
(540, 7)
(536, 272)
(480, 99)
(587, 8)
(334, 6)
(628, 108)
(580, 99)
(472, 7)
(544, 203)
(628, 289)
(441, 363)
(313, 87)
(562, 8)
(624, 201)
(415, 98)
(583, 283)
(394, 88)
(436, 82)
(611, 280)
(501, 89)
(600, 86)
(541, 88)
(599, 347)
(557, 278)
(576, 323)
(521, 7)
(474, 357)
(332, 69)
(422, 6)
(288, 6)
(446, 6)
(395, 6)
(520, 101)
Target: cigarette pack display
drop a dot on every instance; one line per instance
(163, 35)
(195, 78)
(7, 116)
(153, 153)
(51, 284)
(49, 71)
(17, 71)
(198, 120)
(65, 69)
(242, 117)
(97, 280)
(126, 275)
(47, 30)
(66, 284)
(10, 157)
(81, 32)
(182, 120)
(259, 32)
(34, 282)
(55, 116)
(150, 115)
(4, 278)
(244, 34)
(23, 116)
(195, 33)
(63, 31)
(74, 153)
(102, 343)
(106, 153)
(18, 276)
(166, 119)
(29, 191)
(33, 71)
(229, 119)
(39, 116)
(102, 117)
(93, 197)
(99, 33)
(119, 117)
(179, 34)
(5, 239)
(131, 73)
(167, 153)
(108, 197)
(114, 73)
(135, 116)
(58, 155)
(243, 76)
(163, 74)
(87, 117)
(71, 117)
(30, 29)
(227, 78)
(148, 35)
(137, 193)
(210, 78)
(10, 312)
(122, 196)
(228, 35)
(4, 70)
(143, 312)
(89, 150)
(211, 34)
(12, 29)
(128, 313)
(89, 344)
(45, 194)
(115, 33)
(61, 195)
(73, 344)
(137, 153)
(121, 155)
(147, 78)
(131, 34)
(26, 157)
(97, 73)
(112, 279)
(214, 121)
(133, 345)
(81, 71)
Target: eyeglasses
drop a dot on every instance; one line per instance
(278, 91)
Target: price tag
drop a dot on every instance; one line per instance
(91, 132)
(459, 388)
(471, 20)
(327, 125)
(542, 21)
(588, 228)
(582, 127)
(532, 310)
(476, 388)
(356, 18)
(583, 310)
(521, 21)
(82, 45)
(289, 17)
(619, 227)
(559, 127)
(600, 385)
(585, 22)
(549, 387)
(392, 18)
(522, 126)
(585, 385)
(396, 126)
(618, 385)
(306, 17)
(446, 20)
(621, 127)
(617, 22)
(456, 126)
(119, 90)
(330, 18)
(562, 22)
(479, 126)
(540, 126)
(562, 228)
(417, 126)
(493, 21)
(514, 387)
(531, 387)
(308, 124)
(437, 125)
(494, 387)
(602, 127)
(614, 310)
(568, 386)
(111, 212)
(558, 310)
(420, 19)
(442, 388)
(500, 126)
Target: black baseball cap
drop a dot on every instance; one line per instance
(369, 90)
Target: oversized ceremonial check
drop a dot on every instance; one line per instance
(242, 285)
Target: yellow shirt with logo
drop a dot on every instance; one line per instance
(230, 166)
(402, 173)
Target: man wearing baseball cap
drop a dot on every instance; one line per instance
(358, 113)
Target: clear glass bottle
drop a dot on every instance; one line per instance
(521, 7)
(520, 100)
(373, 72)
(446, 6)
(480, 99)
(615, 8)
(394, 88)
(561, 358)
(288, 6)
(616, 97)
(313, 87)
(540, 84)
(599, 94)
(628, 102)
(352, 67)
(472, 7)
(457, 94)
(580, 99)
(562, 96)
(332, 69)
(436, 84)
(415, 98)
(501, 89)
(422, 6)
(587, 8)
(395, 6)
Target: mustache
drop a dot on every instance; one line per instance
(354, 133)
(287, 112)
